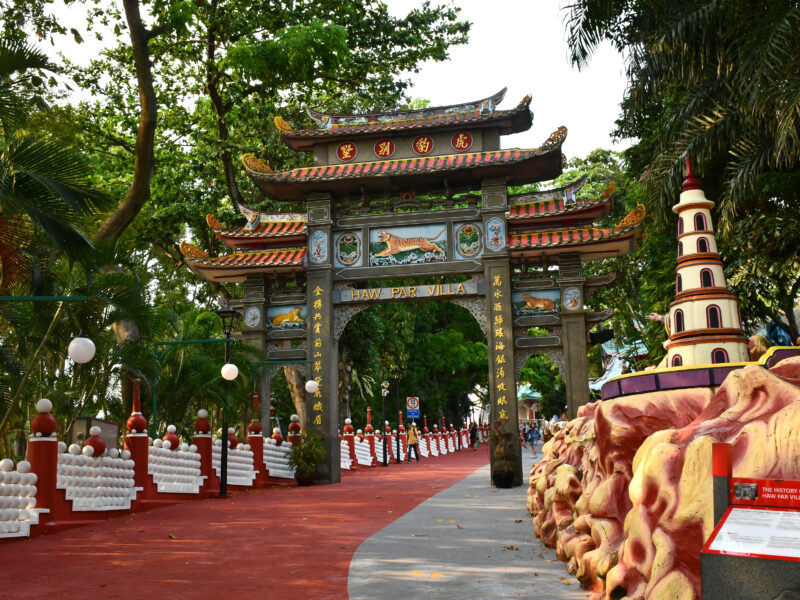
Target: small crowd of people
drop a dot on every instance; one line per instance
(533, 433)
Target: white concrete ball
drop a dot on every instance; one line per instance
(158, 443)
(126, 454)
(6, 464)
(276, 430)
(24, 466)
(95, 431)
(62, 447)
(166, 444)
(87, 451)
(171, 429)
(202, 413)
(74, 449)
(294, 418)
(113, 453)
(231, 430)
(44, 406)
(192, 448)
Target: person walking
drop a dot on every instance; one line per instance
(413, 441)
(473, 437)
(535, 435)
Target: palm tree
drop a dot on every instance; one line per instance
(44, 183)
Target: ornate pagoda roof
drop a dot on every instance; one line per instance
(460, 170)
(259, 233)
(595, 242)
(476, 114)
(566, 193)
(235, 267)
(565, 208)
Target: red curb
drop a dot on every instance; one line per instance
(290, 542)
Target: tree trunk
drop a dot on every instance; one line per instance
(144, 164)
(298, 390)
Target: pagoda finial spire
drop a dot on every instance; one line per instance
(690, 183)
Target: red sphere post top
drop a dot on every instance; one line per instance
(425, 429)
(44, 424)
(232, 437)
(255, 428)
(348, 427)
(95, 442)
(172, 437)
(276, 435)
(202, 425)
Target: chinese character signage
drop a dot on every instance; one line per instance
(384, 148)
(317, 372)
(346, 151)
(461, 141)
(422, 145)
(501, 342)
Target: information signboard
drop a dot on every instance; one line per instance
(412, 407)
(765, 492)
(758, 532)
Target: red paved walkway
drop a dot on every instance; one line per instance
(278, 542)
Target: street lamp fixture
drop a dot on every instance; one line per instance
(81, 349)
(384, 393)
(229, 372)
(396, 372)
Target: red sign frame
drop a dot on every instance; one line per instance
(383, 141)
(769, 492)
(339, 151)
(456, 136)
(418, 139)
(707, 546)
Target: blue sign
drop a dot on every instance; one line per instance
(412, 413)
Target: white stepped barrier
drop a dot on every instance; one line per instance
(464, 439)
(102, 483)
(345, 461)
(175, 471)
(451, 447)
(442, 445)
(276, 459)
(17, 499)
(379, 450)
(434, 449)
(423, 447)
(394, 450)
(240, 464)
(363, 456)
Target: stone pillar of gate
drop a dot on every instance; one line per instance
(574, 336)
(322, 406)
(497, 274)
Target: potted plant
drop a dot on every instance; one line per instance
(305, 456)
(503, 453)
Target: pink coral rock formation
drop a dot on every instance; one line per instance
(624, 491)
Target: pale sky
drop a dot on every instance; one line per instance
(521, 44)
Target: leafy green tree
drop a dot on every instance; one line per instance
(716, 82)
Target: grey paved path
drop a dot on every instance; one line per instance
(469, 541)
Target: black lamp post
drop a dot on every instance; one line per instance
(229, 372)
(384, 393)
(396, 373)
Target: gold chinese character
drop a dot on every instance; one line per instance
(318, 407)
(317, 354)
(318, 291)
(499, 346)
(422, 145)
(498, 294)
(501, 387)
(318, 420)
(498, 319)
(318, 394)
(317, 327)
(317, 366)
(461, 142)
(500, 359)
(502, 400)
(346, 151)
(498, 332)
(503, 414)
(317, 341)
(384, 148)
(501, 372)
(318, 379)
(317, 303)
(318, 316)
(498, 306)
(496, 281)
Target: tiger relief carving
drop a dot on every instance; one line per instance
(532, 303)
(395, 244)
(293, 316)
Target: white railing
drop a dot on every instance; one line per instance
(240, 464)
(434, 449)
(276, 459)
(175, 471)
(17, 499)
(394, 449)
(363, 455)
(345, 461)
(423, 447)
(96, 483)
(451, 447)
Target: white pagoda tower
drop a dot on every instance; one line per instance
(704, 322)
